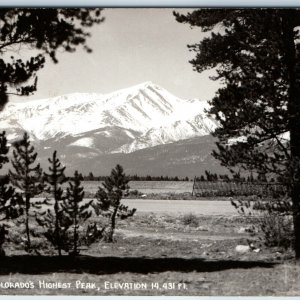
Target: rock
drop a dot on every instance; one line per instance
(242, 248)
(252, 247)
(242, 230)
(245, 230)
(202, 228)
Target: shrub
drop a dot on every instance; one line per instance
(271, 217)
(134, 193)
(3, 233)
(277, 230)
(95, 233)
(190, 220)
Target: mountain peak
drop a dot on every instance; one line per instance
(144, 84)
(144, 115)
(133, 89)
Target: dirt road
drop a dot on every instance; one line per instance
(199, 207)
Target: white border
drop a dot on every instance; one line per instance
(150, 3)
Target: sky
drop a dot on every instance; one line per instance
(132, 46)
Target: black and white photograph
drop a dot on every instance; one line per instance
(150, 151)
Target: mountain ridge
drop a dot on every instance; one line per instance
(152, 113)
(137, 125)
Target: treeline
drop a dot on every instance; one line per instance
(214, 177)
(92, 177)
(64, 218)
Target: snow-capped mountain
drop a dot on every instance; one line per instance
(125, 121)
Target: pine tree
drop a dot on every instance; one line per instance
(54, 220)
(45, 31)
(27, 177)
(256, 55)
(109, 199)
(6, 192)
(3, 149)
(91, 176)
(76, 210)
(11, 207)
(10, 201)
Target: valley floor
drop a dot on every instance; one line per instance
(160, 255)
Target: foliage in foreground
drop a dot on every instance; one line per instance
(190, 220)
(11, 203)
(74, 209)
(109, 200)
(54, 220)
(256, 56)
(62, 220)
(271, 219)
(27, 177)
(45, 32)
(75, 233)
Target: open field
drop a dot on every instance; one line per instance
(166, 254)
(184, 189)
(148, 187)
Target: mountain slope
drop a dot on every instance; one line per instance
(189, 157)
(146, 114)
(144, 128)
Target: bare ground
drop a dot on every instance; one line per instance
(164, 255)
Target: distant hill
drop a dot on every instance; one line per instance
(190, 157)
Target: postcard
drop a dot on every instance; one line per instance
(149, 151)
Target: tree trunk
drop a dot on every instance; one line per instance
(113, 224)
(75, 235)
(57, 223)
(57, 228)
(27, 206)
(294, 123)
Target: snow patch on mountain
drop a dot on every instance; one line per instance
(84, 142)
(146, 114)
(179, 130)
